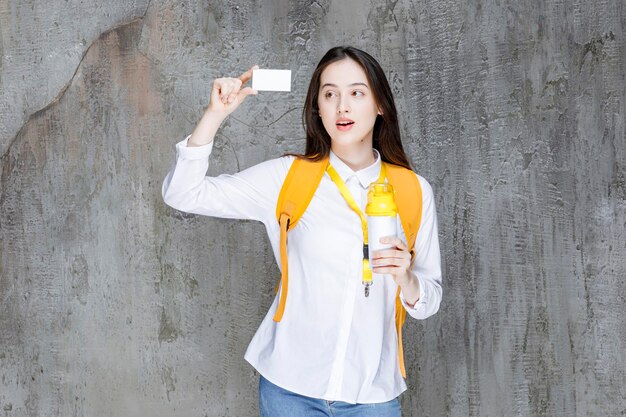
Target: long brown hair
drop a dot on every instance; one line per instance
(386, 135)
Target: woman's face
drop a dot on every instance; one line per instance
(346, 103)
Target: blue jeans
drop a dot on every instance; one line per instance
(275, 401)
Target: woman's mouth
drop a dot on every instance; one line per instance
(344, 124)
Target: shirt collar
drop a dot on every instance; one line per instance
(366, 176)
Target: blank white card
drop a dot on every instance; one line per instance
(271, 80)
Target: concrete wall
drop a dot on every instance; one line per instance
(112, 304)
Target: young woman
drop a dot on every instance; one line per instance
(335, 351)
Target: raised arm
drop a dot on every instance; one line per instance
(249, 194)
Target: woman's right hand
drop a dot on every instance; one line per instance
(226, 96)
(227, 93)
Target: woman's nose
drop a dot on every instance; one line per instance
(343, 107)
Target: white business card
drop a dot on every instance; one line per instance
(271, 80)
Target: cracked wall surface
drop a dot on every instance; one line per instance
(41, 45)
(112, 304)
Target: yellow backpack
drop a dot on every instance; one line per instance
(295, 195)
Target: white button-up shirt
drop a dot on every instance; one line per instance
(333, 342)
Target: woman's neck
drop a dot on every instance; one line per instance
(356, 158)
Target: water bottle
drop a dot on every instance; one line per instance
(381, 212)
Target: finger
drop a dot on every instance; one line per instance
(224, 85)
(393, 240)
(245, 92)
(246, 76)
(397, 262)
(228, 90)
(236, 88)
(215, 92)
(388, 270)
(224, 92)
(391, 253)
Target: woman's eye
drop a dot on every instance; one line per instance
(357, 93)
(329, 94)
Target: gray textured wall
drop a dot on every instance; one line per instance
(112, 304)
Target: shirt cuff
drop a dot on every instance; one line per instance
(193, 152)
(422, 299)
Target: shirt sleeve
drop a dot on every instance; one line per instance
(427, 261)
(250, 194)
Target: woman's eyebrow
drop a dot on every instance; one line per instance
(351, 85)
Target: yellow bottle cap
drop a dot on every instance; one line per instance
(380, 200)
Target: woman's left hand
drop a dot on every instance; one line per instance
(395, 261)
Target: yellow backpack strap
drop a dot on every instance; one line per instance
(408, 197)
(295, 195)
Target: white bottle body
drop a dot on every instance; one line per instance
(377, 227)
